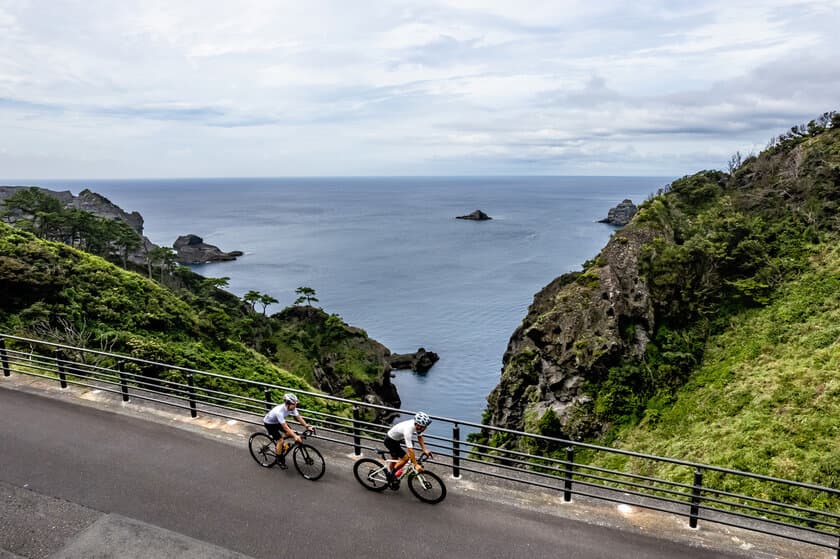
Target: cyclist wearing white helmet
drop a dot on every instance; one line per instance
(278, 429)
(404, 431)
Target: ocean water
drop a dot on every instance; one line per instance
(388, 255)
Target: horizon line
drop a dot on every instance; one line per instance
(8, 181)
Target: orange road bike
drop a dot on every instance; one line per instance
(425, 485)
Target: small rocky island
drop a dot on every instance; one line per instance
(477, 215)
(621, 214)
(419, 361)
(191, 249)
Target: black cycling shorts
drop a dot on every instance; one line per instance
(394, 447)
(275, 430)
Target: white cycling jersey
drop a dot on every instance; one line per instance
(403, 431)
(279, 413)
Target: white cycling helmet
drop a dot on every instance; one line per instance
(422, 419)
(290, 398)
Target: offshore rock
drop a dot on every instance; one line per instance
(191, 249)
(577, 327)
(621, 214)
(419, 361)
(477, 215)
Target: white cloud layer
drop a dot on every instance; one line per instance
(268, 88)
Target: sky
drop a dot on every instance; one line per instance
(178, 88)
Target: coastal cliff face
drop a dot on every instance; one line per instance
(95, 204)
(87, 201)
(608, 348)
(341, 359)
(577, 327)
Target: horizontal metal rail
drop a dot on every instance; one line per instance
(196, 391)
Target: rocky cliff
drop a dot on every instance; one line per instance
(621, 214)
(610, 346)
(577, 327)
(99, 206)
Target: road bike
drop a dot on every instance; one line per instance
(308, 461)
(425, 485)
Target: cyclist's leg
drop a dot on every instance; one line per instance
(397, 453)
(275, 431)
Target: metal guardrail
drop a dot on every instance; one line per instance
(706, 497)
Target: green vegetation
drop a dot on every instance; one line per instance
(741, 369)
(58, 292)
(737, 241)
(33, 210)
(766, 396)
(306, 295)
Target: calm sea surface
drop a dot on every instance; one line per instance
(388, 256)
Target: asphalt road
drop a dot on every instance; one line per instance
(214, 492)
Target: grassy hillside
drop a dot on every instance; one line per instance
(766, 396)
(55, 292)
(738, 362)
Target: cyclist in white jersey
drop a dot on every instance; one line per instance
(275, 423)
(404, 432)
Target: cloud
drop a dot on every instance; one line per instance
(409, 87)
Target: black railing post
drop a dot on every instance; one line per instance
(456, 451)
(191, 391)
(123, 380)
(357, 436)
(4, 358)
(570, 465)
(695, 498)
(268, 404)
(62, 377)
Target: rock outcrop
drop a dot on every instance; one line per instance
(577, 327)
(191, 249)
(621, 214)
(477, 215)
(99, 206)
(419, 361)
(331, 371)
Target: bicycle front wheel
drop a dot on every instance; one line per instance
(262, 449)
(427, 487)
(371, 474)
(309, 462)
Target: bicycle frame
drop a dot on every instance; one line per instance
(407, 469)
(373, 475)
(306, 458)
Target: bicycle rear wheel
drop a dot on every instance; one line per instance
(262, 449)
(309, 462)
(370, 474)
(427, 487)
